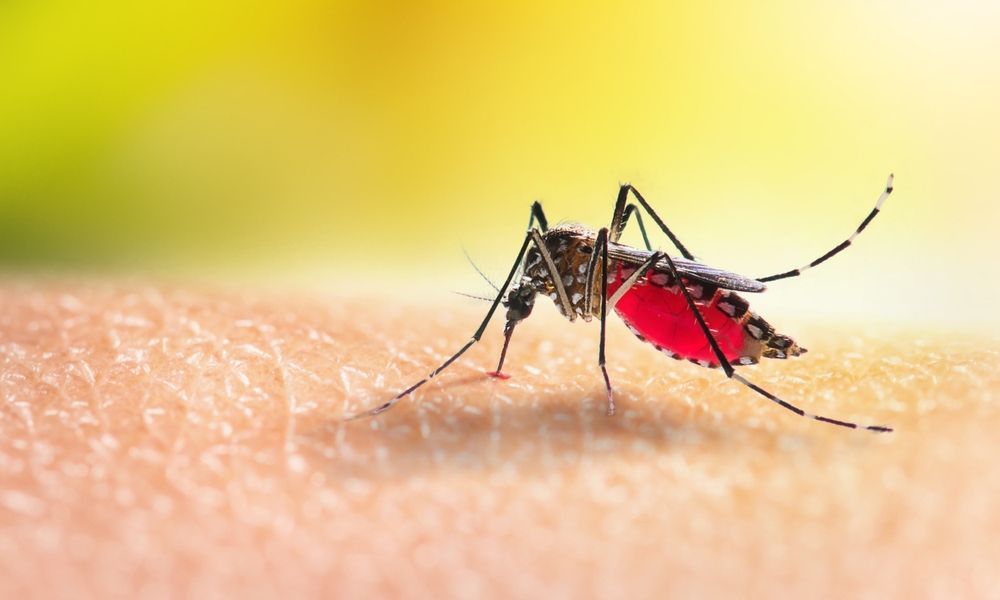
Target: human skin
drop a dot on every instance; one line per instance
(166, 440)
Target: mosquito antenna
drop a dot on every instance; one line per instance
(478, 270)
(473, 296)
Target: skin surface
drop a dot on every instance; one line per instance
(168, 440)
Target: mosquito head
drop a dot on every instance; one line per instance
(519, 303)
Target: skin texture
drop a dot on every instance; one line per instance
(170, 440)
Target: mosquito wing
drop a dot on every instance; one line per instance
(688, 268)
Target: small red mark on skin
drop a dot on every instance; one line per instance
(664, 318)
(498, 375)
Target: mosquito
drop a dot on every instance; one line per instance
(684, 308)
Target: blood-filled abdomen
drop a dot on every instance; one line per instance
(658, 313)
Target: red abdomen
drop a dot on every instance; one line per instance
(659, 314)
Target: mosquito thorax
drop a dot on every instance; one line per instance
(571, 248)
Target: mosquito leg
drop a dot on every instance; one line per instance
(842, 245)
(537, 214)
(609, 303)
(620, 217)
(601, 250)
(730, 372)
(601, 246)
(624, 287)
(629, 210)
(588, 289)
(618, 220)
(475, 338)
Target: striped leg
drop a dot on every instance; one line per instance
(475, 338)
(601, 247)
(601, 251)
(841, 245)
(731, 373)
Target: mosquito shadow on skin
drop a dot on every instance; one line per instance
(558, 429)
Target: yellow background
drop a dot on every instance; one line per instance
(366, 143)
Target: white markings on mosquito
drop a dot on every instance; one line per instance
(576, 298)
(841, 246)
(666, 351)
(755, 331)
(885, 194)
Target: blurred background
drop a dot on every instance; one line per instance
(361, 145)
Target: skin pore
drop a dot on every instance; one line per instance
(164, 440)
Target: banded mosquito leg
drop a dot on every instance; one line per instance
(601, 249)
(731, 373)
(842, 245)
(475, 338)
(618, 220)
